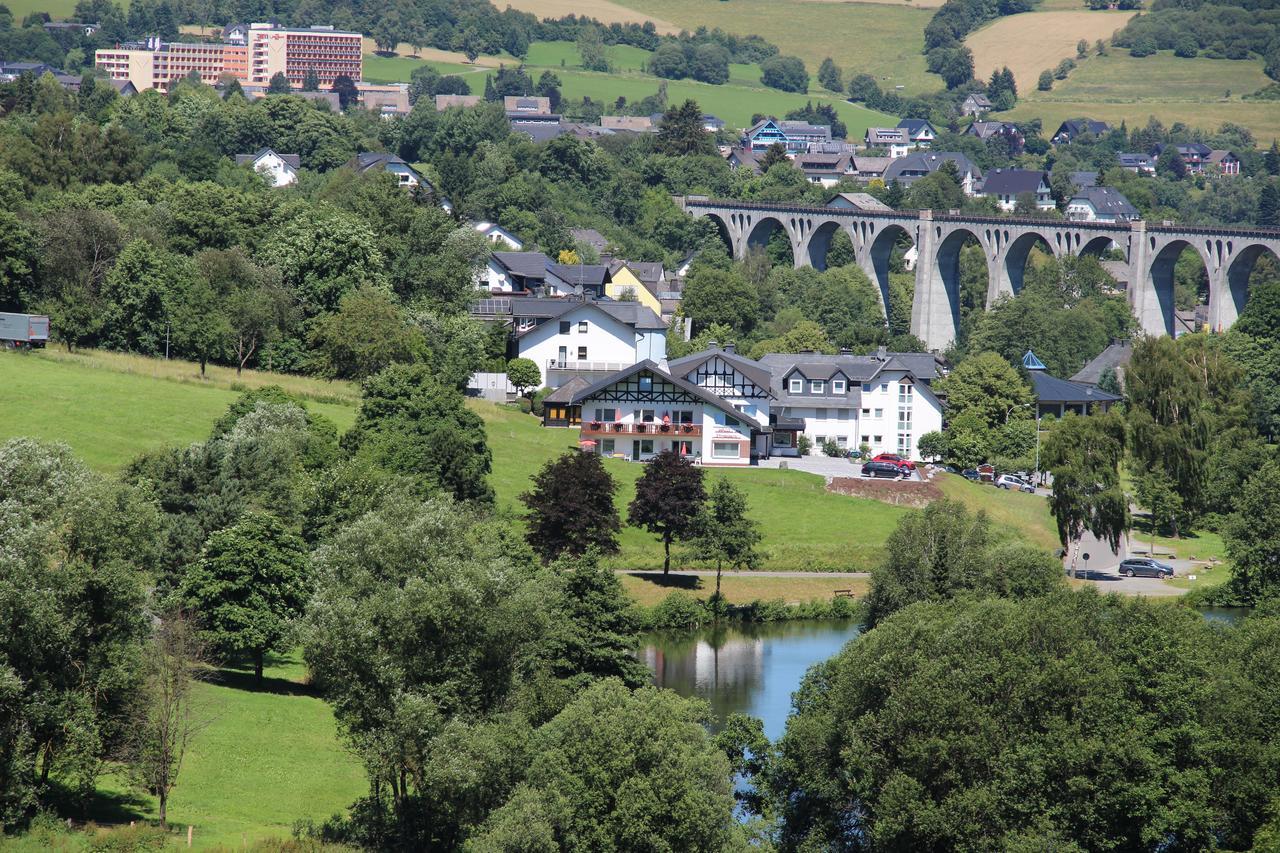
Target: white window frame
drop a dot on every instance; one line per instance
(718, 446)
(796, 385)
(838, 386)
(582, 327)
(879, 413)
(817, 386)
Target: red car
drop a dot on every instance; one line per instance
(895, 459)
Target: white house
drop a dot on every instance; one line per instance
(642, 410)
(739, 381)
(280, 169)
(1006, 185)
(884, 401)
(1101, 204)
(570, 336)
(895, 140)
(499, 236)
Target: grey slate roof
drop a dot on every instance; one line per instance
(862, 201)
(586, 275)
(1115, 357)
(1051, 389)
(294, 160)
(1084, 179)
(566, 392)
(906, 169)
(1108, 200)
(590, 236)
(631, 314)
(539, 131)
(753, 370)
(1013, 181)
(527, 264)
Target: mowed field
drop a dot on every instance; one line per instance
(602, 10)
(1031, 42)
(1117, 87)
(735, 102)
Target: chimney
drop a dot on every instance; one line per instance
(712, 345)
(730, 348)
(882, 352)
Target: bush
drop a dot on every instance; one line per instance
(679, 610)
(536, 402)
(786, 73)
(804, 444)
(1046, 81)
(524, 404)
(830, 448)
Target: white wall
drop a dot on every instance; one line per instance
(651, 344)
(280, 173)
(606, 340)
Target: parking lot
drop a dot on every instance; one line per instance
(825, 466)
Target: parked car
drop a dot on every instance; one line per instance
(971, 474)
(885, 470)
(895, 459)
(1145, 567)
(1008, 481)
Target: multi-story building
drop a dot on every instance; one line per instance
(267, 50)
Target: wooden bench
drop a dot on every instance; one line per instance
(843, 593)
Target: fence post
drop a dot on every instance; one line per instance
(190, 831)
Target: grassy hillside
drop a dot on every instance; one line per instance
(268, 758)
(1119, 87)
(1032, 42)
(735, 101)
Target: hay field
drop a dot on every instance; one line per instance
(884, 39)
(1118, 87)
(1031, 42)
(602, 10)
(914, 4)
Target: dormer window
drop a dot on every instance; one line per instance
(796, 386)
(837, 386)
(817, 386)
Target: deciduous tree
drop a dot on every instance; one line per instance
(571, 507)
(669, 498)
(1083, 454)
(722, 531)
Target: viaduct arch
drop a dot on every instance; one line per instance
(1229, 254)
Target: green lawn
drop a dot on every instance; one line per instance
(1014, 511)
(109, 417)
(1118, 87)
(268, 758)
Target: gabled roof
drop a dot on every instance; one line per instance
(688, 387)
(527, 264)
(1108, 200)
(915, 126)
(584, 275)
(1114, 357)
(1071, 128)
(761, 125)
(366, 160)
(886, 136)
(989, 129)
(1013, 181)
(1133, 159)
(294, 160)
(631, 314)
(978, 99)
(539, 131)
(566, 392)
(1051, 389)
(749, 368)
(1084, 179)
(926, 162)
(649, 272)
(861, 201)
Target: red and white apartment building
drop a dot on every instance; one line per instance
(267, 51)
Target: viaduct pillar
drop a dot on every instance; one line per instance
(932, 318)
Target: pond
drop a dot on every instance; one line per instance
(754, 668)
(745, 668)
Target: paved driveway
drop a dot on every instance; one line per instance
(823, 466)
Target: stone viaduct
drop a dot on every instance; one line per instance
(1229, 254)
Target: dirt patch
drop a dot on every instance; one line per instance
(899, 493)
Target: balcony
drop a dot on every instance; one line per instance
(587, 366)
(651, 430)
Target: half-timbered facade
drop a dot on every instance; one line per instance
(641, 411)
(741, 382)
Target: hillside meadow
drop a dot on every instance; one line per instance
(1031, 42)
(1199, 92)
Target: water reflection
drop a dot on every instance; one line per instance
(749, 669)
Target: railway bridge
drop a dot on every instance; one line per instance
(1229, 254)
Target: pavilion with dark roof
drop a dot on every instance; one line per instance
(1057, 397)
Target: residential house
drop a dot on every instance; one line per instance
(235, 34)
(892, 139)
(1138, 163)
(528, 106)
(743, 383)
(1224, 163)
(1101, 204)
(54, 27)
(907, 170)
(540, 128)
(801, 136)
(975, 104)
(389, 100)
(1081, 180)
(852, 400)
(280, 169)
(869, 168)
(1004, 131)
(745, 157)
(406, 176)
(1058, 397)
(499, 236)
(590, 237)
(515, 272)
(1194, 154)
(444, 102)
(573, 336)
(825, 169)
(1115, 359)
(634, 124)
(712, 124)
(588, 280)
(859, 201)
(919, 131)
(10, 71)
(625, 284)
(764, 134)
(1069, 130)
(1006, 185)
(643, 410)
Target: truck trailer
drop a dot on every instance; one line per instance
(23, 331)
